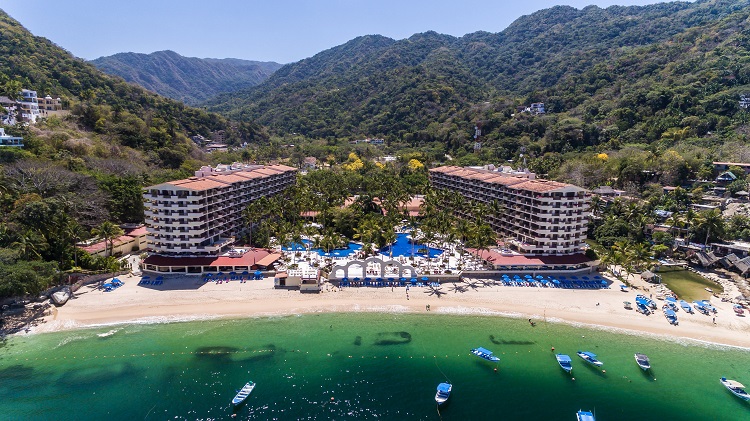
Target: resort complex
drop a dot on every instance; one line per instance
(199, 217)
(536, 217)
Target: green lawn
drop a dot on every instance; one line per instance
(688, 285)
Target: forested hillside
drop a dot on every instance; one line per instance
(187, 79)
(80, 175)
(660, 73)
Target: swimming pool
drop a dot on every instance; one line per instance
(352, 248)
(404, 247)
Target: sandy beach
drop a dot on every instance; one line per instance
(188, 298)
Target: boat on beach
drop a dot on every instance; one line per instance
(565, 362)
(443, 393)
(485, 354)
(670, 315)
(643, 361)
(645, 300)
(737, 388)
(590, 358)
(243, 393)
(738, 310)
(700, 307)
(585, 416)
(686, 307)
(709, 307)
(672, 303)
(642, 308)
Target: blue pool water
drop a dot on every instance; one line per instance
(404, 247)
(352, 248)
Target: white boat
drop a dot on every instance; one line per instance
(585, 416)
(565, 362)
(443, 393)
(243, 393)
(686, 306)
(643, 362)
(590, 358)
(737, 388)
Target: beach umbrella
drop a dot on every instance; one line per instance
(413, 280)
(556, 282)
(424, 278)
(391, 279)
(344, 278)
(604, 282)
(368, 279)
(357, 278)
(402, 279)
(378, 279)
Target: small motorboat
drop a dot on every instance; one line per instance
(700, 307)
(443, 393)
(737, 388)
(686, 307)
(485, 354)
(670, 315)
(585, 416)
(565, 362)
(738, 310)
(642, 361)
(243, 393)
(709, 307)
(642, 308)
(645, 300)
(590, 358)
(672, 303)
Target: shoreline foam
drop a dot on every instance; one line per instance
(187, 300)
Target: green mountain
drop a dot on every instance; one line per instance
(118, 112)
(614, 75)
(187, 79)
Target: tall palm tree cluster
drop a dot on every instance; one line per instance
(625, 232)
(450, 216)
(365, 206)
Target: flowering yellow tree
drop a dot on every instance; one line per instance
(415, 165)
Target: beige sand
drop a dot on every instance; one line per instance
(179, 299)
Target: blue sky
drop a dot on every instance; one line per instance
(271, 30)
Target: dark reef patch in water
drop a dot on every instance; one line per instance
(17, 372)
(498, 341)
(358, 341)
(393, 338)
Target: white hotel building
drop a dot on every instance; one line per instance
(201, 215)
(539, 217)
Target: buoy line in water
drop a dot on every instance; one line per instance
(159, 354)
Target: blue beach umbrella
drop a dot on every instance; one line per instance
(424, 278)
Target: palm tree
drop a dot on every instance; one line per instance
(108, 231)
(29, 245)
(711, 221)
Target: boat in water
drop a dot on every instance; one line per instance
(485, 354)
(670, 315)
(643, 361)
(590, 358)
(737, 388)
(686, 307)
(443, 393)
(565, 362)
(585, 416)
(243, 393)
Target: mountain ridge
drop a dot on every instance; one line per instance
(187, 79)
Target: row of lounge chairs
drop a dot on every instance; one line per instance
(148, 282)
(573, 282)
(347, 283)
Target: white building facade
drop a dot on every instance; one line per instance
(538, 217)
(28, 106)
(200, 216)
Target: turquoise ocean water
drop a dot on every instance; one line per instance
(360, 366)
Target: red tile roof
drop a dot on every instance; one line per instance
(253, 257)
